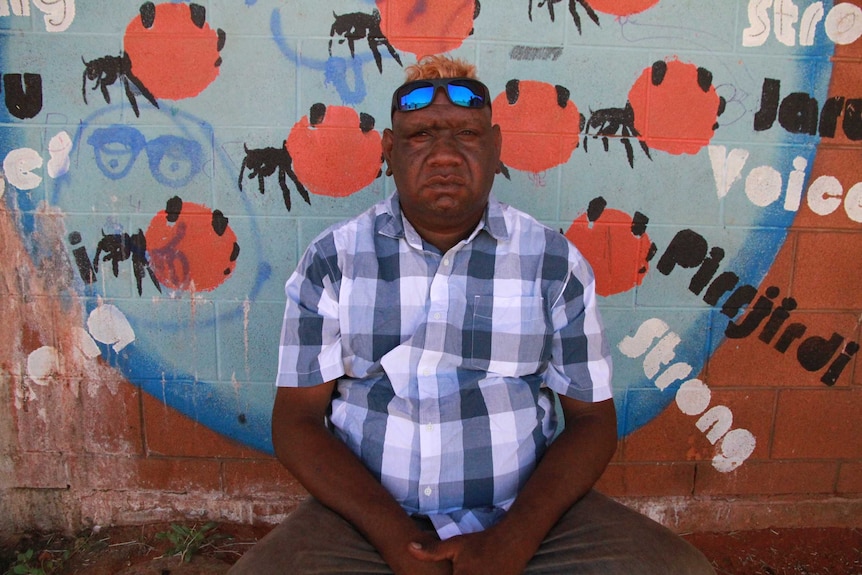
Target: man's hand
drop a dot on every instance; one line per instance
(423, 563)
(336, 478)
(568, 470)
(474, 554)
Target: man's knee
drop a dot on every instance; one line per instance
(601, 536)
(313, 539)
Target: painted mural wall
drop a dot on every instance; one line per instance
(165, 164)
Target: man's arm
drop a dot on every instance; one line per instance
(570, 468)
(336, 478)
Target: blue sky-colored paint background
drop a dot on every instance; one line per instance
(212, 355)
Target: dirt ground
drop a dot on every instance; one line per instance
(197, 549)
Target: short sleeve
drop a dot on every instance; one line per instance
(310, 345)
(580, 366)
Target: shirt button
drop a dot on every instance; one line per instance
(429, 427)
(428, 491)
(437, 315)
(446, 262)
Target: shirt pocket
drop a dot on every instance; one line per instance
(508, 335)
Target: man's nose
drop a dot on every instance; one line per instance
(446, 149)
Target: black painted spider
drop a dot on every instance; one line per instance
(609, 122)
(263, 162)
(358, 25)
(106, 71)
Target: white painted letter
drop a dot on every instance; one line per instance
(693, 397)
(808, 25)
(19, 7)
(794, 184)
(635, 346)
(726, 168)
(84, 344)
(853, 203)
(824, 195)
(42, 364)
(109, 325)
(758, 19)
(763, 186)
(662, 354)
(785, 14)
(674, 373)
(58, 13)
(844, 23)
(59, 147)
(719, 418)
(735, 448)
(18, 165)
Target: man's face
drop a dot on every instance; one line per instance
(443, 158)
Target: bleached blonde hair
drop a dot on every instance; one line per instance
(439, 66)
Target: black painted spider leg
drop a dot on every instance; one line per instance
(103, 72)
(285, 191)
(392, 51)
(589, 10)
(287, 167)
(374, 42)
(130, 95)
(282, 183)
(631, 132)
(257, 167)
(129, 79)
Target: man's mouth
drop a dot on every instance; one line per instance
(444, 181)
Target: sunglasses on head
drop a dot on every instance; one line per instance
(418, 94)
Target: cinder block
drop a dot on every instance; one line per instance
(849, 478)
(41, 470)
(818, 424)
(259, 478)
(769, 478)
(168, 432)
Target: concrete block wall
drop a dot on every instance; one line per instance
(164, 165)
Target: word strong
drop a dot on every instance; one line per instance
(656, 343)
(843, 23)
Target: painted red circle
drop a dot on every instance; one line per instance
(538, 133)
(423, 27)
(622, 7)
(173, 59)
(335, 157)
(618, 257)
(676, 115)
(189, 253)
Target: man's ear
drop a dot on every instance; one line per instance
(387, 143)
(498, 139)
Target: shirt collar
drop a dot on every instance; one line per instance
(394, 225)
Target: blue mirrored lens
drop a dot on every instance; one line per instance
(416, 98)
(465, 97)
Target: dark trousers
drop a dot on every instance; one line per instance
(596, 536)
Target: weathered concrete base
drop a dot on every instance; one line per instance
(712, 514)
(69, 511)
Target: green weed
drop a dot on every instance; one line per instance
(43, 563)
(186, 542)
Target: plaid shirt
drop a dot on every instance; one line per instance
(444, 362)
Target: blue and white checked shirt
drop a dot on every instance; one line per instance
(444, 362)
